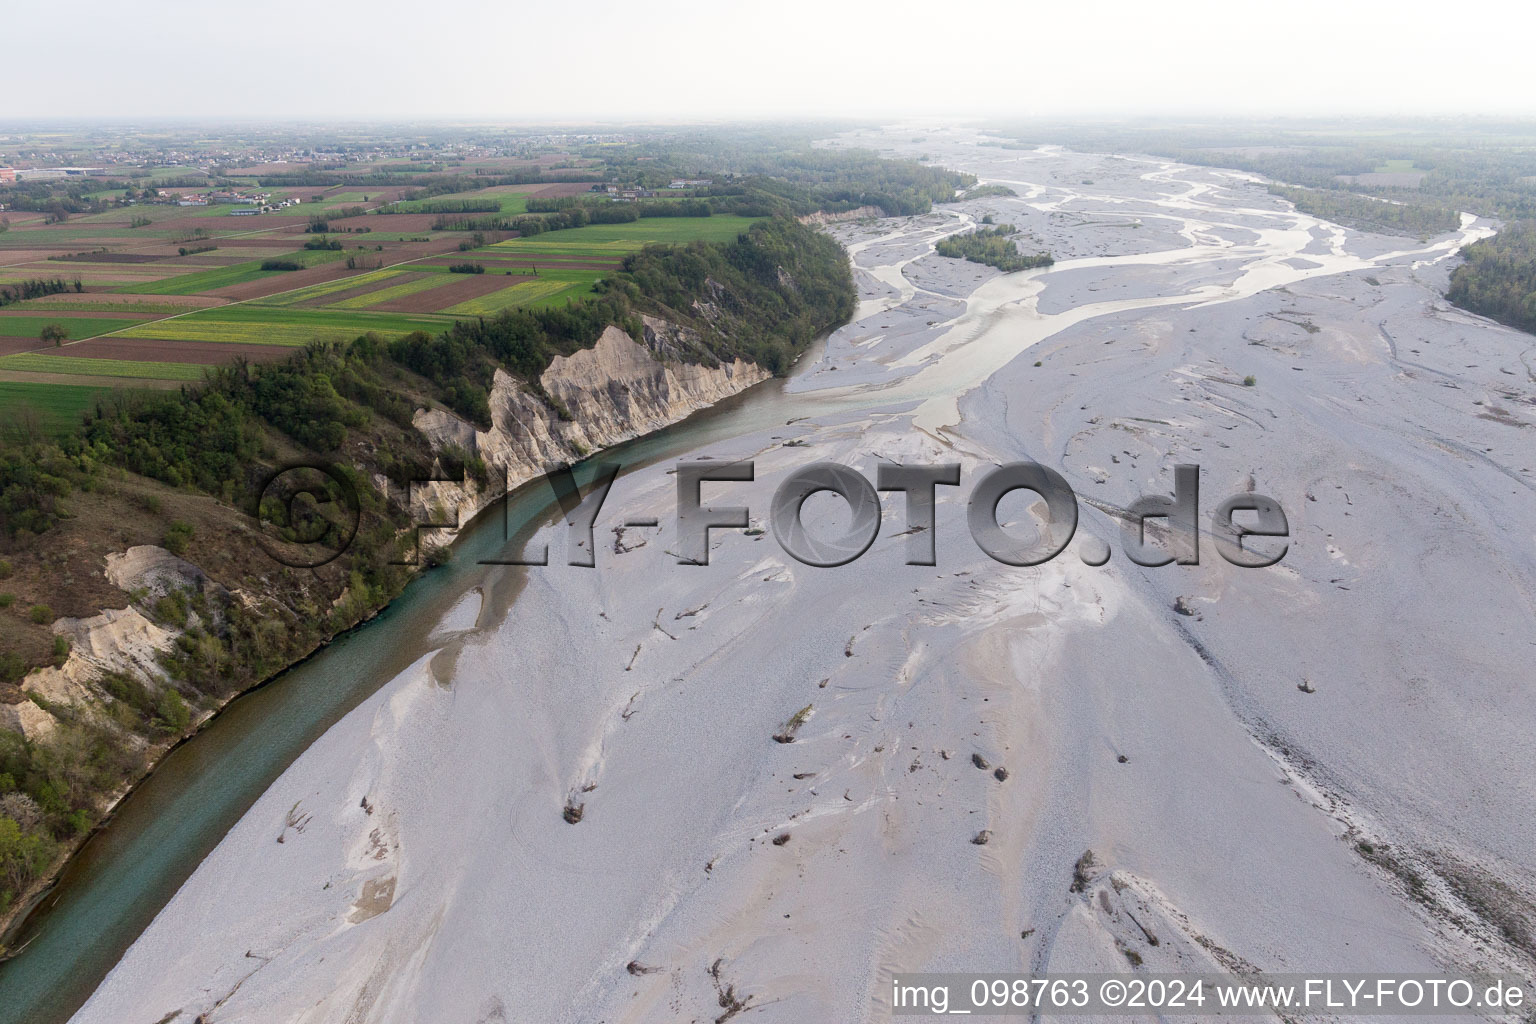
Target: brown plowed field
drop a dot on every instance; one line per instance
(399, 252)
(10, 346)
(190, 301)
(101, 277)
(554, 190)
(213, 259)
(14, 257)
(254, 242)
(256, 170)
(216, 224)
(466, 287)
(403, 221)
(162, 251)
(326, 271)
(86, 380)
(499, 263)
(283, 282)
(80, 315)
(111, 257)
(156, 350)
(362, 289)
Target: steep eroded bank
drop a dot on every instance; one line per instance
(138, 663)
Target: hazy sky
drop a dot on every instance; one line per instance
(667, 59)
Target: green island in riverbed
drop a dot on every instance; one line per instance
(993, 246)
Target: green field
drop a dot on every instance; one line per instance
(36, 362)
(546, 256)
(606, 242)
(367, 239)
(92, 276)
(611, 239)
(513, 199)
(163, 173)
(315, 257)
(267, 325)
(58, 407)
(348, 198)
(78, 231)
(201, 280)
(77, 327)
(156, 213)
(564, 267)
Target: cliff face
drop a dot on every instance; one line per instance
(859, 213)
(121, 640)
(619, 389)
(616, 390)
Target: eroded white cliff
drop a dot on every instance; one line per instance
(614, 391)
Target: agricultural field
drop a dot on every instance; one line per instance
(153, 304)
(568, 263)
(534, 293)
(37, 362)
(318, 293)
(513, 199)
(131, 304)
(199, 281)
(53, 408)
(76, 327)
(252, 324)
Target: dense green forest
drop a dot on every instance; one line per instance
(993, 246)
(1432, 168)
(1367, 213)
(491, 205)
(1498, 278)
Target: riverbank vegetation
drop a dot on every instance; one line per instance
(988, 191)
(994, 247)
(1498, 278)
(1367, 213)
